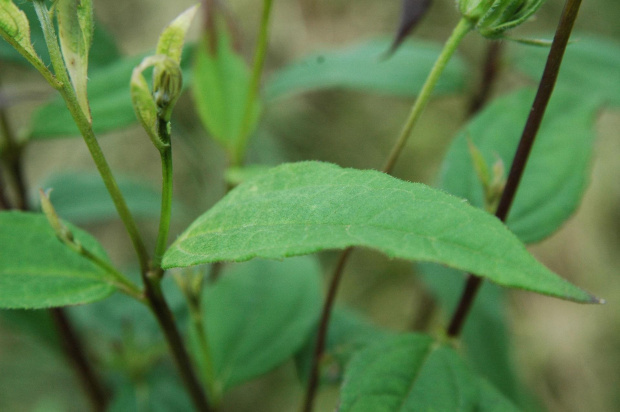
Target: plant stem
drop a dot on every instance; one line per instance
(463, 27)
(259, 62)
(164, 317)
(489, 74)
(85, 127)
(166, 192)
(195, 310)
(74, 351)
(543, 95)
(321, 337)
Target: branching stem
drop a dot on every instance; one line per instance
(543, 95)
(463, 27)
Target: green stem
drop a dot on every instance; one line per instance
(214, 391)
(166, 192)
(259, 62)
(463, 27)
(85, 127)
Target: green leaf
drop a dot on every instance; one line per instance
(362, 67)
(103, 54)
(258, 314)
(15, 29)
(83, 198)
(307, 207)
(557, 170)
(38, 271)
(75, 31)
(589, 68)
(348, 333)
(110, 103)
(220, 89)
(172, 38)
(414, 373)
(485, 337)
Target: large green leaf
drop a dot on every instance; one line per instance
(414, 373)
(258, 314)
(83, 198)
(558, 168)
(38, 271)
(590, 67)
(220, 89)
(109, 98)
(364, 67)
(307, 207)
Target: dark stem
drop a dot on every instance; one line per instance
(12, 156)
(489, 75)
(74, 351)
(545, 89)
(164, 317)
(5, 204)
(319, 348)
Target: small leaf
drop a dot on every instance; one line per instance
(172, 38)
(414, 373)
(258, 314)
(302, 208)
(81, 197)
(412, 13)
(38, 271)
(558, 167)
(75, 30)
(589, 68)
(110, 103)
(221, 84)
(143, 104)
(15, 29)
(360, 67)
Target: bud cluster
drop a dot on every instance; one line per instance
(492, 18)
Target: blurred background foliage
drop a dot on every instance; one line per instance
(567, 355)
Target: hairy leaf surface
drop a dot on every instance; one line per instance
(307, 207)
(38, 271)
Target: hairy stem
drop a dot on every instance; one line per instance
(166, 193)
(463, 27)
(85, 127)
(543, 95)
(257, 71)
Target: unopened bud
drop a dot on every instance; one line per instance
(492, 18)
(167, 85)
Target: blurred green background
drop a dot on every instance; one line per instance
(568, 355)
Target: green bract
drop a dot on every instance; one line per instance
(492, 18)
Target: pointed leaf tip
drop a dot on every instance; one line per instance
(412, 13)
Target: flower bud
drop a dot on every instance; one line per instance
(167, 85)
(492, 18)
